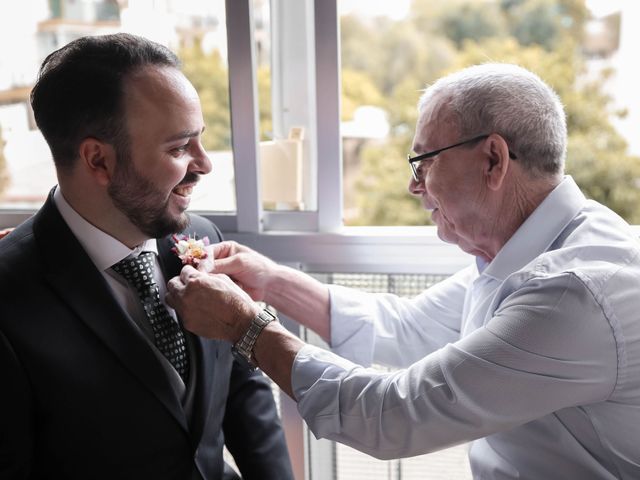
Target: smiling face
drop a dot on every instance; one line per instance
(154, 178)
(453, 187)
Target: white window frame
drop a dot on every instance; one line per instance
(305, 92)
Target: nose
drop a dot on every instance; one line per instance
(416, 187)
(201, 163)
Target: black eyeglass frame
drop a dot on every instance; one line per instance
(423, 156)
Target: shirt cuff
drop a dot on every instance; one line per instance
(315, 381)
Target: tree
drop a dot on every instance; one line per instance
(382, 187)
(541, 35)
(597, 155)
(386, 64)
(358, 89)
(473, 21)
(545, 22)
(209, 74)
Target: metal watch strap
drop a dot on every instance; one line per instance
(244, 346)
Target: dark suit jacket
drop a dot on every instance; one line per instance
(83, 395)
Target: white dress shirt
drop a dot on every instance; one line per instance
(536, 355)
(105, 251)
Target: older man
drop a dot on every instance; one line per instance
(533, 351)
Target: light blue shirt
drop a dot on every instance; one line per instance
(535, 356)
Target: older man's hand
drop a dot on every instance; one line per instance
(5, 232)
(211, 305)
(251, 270)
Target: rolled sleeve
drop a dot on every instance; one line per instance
(386, 329)
(352, 329)
(549, 347)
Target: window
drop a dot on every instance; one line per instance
(196, 31)
(391, 51)
(344, 144)
(253, 73)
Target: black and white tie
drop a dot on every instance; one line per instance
(169, 338)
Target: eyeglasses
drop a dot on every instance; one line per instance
(416, 162)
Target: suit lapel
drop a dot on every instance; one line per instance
(73, 276)
(204, 358)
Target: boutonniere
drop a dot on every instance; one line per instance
(194, 252)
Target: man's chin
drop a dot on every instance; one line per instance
(446, 236)
(178, 223)
(163, 227)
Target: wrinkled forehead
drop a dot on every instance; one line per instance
(436, 124)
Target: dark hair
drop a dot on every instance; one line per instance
(79, 91)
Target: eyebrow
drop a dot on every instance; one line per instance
(184, 134)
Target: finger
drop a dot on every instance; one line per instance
(174, 290)
(187, 273)
(224, 249)
(228, 265)
(233, 265)
(174, 285)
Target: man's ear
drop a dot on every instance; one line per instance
(497, 153)
(98, 159)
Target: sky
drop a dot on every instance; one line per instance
(398, 8)
(601, 8)
(395, 9)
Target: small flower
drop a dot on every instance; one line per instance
(191, 250)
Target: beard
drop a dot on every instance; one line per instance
(144, 204)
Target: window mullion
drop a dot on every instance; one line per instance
(328, 115)
(243, 98)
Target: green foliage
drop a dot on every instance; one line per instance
(473, 21)
(388, 63)
(358, 89)
(264, 103)
(210, 76)
(440, 36)
(537, 22)
(596, 155)
(390, 52)
(384, 178)
(606, 175)
(545, 22)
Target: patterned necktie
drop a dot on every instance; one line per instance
(168, 336)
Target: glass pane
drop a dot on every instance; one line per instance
(262, 40)
(278, 186)
(194, 29)
(391, 50)
(283, 98)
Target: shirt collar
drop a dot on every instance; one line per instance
(103, 249)
(538, 231)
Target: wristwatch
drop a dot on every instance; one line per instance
(243, 349)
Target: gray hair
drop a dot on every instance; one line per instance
(512, 102)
